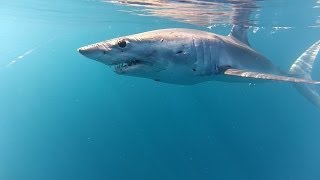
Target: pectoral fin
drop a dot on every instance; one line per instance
(264, 76)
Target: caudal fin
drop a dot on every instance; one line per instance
(302, 68)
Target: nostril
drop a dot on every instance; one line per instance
(82, 51)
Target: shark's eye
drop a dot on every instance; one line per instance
(122, 43)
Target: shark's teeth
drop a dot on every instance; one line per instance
(123, 65)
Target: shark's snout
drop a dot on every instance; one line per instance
(83, 51)
(91, 52)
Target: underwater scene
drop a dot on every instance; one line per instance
(160, 90)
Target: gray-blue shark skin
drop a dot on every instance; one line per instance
(187, 56)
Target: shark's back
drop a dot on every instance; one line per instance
(232, 52)
(239, 55)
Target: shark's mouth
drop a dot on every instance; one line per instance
(125, 66)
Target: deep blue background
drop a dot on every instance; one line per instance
(64, 117)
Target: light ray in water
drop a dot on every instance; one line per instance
(19, 58)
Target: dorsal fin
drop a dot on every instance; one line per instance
(240, 33)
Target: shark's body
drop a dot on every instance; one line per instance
(186, 56)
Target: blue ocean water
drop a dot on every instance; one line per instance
(63, 116)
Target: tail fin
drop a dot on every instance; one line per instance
(302, 68)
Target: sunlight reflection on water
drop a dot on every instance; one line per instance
(210, 13)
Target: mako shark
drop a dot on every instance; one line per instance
(187, 57)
